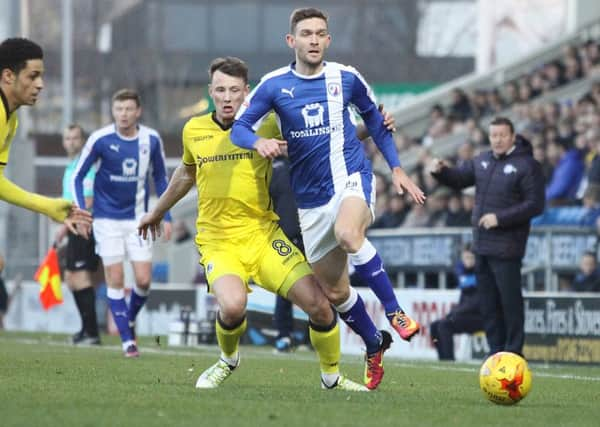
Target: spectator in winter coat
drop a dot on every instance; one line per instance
(465, 317)
(569, 169)
(395, 214)
(588, 276)
(509, 192)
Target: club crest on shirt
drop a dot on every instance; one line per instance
(333, 89)
(484, 164)
(508, 169)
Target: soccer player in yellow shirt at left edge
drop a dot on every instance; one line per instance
(21, 70)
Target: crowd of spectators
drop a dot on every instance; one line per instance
(565, 137)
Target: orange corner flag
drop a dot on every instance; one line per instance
(48, 275)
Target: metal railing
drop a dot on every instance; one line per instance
(418, 257)
(411, 255)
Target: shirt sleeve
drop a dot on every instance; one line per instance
(88, 157)
(459, 177)
(88, 183)
(364, 101)
(159, 170)
(250, 116)
(187, 157)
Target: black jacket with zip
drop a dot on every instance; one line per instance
(512, 187)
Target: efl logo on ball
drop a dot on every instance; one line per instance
(505, 378)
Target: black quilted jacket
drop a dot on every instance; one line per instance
(512, 187)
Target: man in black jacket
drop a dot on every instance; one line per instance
(284, 205)
(509, 192)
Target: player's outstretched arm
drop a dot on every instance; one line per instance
(181, 182)
(403, 182)
(60, 210)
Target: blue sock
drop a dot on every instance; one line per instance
(137, 301)
(355, 315)
(369, 266)
(118, 308)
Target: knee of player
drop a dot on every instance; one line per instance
(232, 310)
(350, 240)
(320, 311)
(143, 284)
(337, 296)
(115, 280)
(143, 279)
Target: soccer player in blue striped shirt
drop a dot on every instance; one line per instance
(331, 177)
(127, 153)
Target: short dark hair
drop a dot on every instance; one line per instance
(76, 126)
(15, 52)
(499, 121)
(125, 94)
(305, 13)
(589, 253)
(229, 65)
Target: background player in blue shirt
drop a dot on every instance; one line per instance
(331, 177)
(126, 153)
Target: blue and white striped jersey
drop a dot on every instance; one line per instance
(121, 187)
(315, 118)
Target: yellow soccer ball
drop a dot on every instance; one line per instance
(505, 378)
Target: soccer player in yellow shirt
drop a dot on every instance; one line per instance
(21, 70)
(238, 236)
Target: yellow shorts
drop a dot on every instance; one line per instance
(268, 258)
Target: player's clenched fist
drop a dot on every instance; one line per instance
(270, 148)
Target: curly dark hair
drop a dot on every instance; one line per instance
(15, 52)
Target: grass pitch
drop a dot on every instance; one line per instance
(46, 382)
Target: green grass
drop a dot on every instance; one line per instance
(45, 382)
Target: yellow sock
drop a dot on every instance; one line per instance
(327, 346)
(229, 339)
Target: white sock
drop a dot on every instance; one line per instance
(231, 360)
(127, 344)
(349, 303)
(113, 293)
(365, 254)
(141, 292)
(329, 379)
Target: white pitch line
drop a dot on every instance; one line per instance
(535, 372)
(304, 356)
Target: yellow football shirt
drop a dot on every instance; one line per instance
(8, 128)
(233, 183)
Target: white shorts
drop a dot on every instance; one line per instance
(116, 238)
(318, 223)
